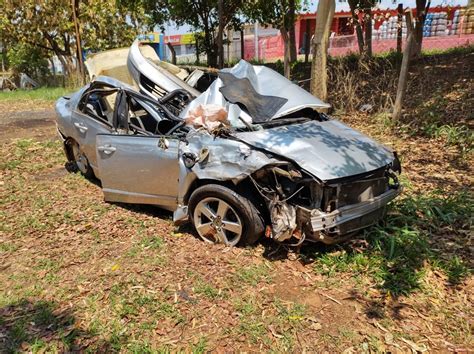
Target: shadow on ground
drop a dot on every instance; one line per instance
(41, 325)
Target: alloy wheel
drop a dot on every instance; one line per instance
(216, 221)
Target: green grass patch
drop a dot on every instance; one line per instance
(402, 246)
(202, 287)
(252, 275)
(40, 94)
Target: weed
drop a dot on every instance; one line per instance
(456, 269)
(253, 275)
(206, 289)
(200, 347)
(399, 247)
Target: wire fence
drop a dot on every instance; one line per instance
(442, 30)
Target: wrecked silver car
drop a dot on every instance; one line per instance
(241, 154)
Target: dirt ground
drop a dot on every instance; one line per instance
(80, 274)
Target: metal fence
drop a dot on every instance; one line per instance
(442, 30)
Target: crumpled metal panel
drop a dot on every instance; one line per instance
(266, 82)
(138, 64)
(327, 149)
(223, 159)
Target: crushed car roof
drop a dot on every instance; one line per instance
(265, 82)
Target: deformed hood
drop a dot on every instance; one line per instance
(263, 81)
(328, 150)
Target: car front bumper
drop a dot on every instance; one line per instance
(332, 227)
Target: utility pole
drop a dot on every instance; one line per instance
(75, 4)
(220, 34)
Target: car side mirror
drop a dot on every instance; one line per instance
(121, 114)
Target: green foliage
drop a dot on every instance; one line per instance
(40, 94)
(460, 136)
(24, 58)
(276, 13)
(399, 247)
(48, 25)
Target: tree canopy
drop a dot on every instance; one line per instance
(49, 25)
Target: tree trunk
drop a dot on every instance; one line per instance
(242, 44)
(368, 31)
(173, 53)
(403, 78)
(399, 27)
(324, 16)
(358, 27)
(220, 34)
(80, 64)
(196, 44)
(421, 9)
(212, 57)
(291, 31)
(286, 56)
(307, 40)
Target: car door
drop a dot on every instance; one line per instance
(139, 169)
(86, 127)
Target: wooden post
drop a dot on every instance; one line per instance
(173, 53)
(78, 41)
(399, 27)
(403, 78)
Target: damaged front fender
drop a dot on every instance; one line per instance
(222, 159)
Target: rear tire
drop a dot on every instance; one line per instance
(77, 157)
(220, 215)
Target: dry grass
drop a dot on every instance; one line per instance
(79, 274)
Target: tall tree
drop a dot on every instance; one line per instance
(291, 30)
(403, 76)
(354, 4)
(363, 7)
(280, 14)
(324, 17)
(422, 7)
(49, 25)
(201, 15)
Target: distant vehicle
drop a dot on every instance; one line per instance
(272, 166)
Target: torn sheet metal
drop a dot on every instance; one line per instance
(241, 91)
(222, 159)
(142, 62)
(266, 82)
(283, 216)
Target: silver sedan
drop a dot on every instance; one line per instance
(274, 166)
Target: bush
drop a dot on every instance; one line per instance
(24, 58)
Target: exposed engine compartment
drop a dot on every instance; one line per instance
(294, 198)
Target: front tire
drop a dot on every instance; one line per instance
(220, 215)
